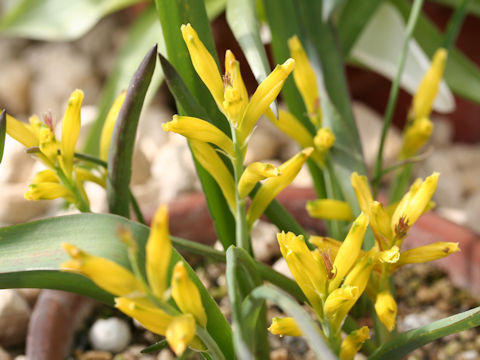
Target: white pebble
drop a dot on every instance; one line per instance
(112, 334)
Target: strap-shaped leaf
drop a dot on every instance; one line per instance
(31, 256)
(119, 168)
(3, 132)
(400, 345)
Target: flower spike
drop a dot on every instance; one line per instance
(284, 326)
(108, 126)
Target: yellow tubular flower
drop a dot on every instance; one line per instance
(415, 136)
(213, 164)
(427, 90)
(341, 297)
(362, 191)
(86, 175)
(307, 271)
(266, 92)
(353, 342)
(70, 131)
(324, 140)
(380, 223)
(284, 326)
(290, 125)
(390, 256)
(386, 309)
(152, 318)
(254, 173)
(274, 185)
(325, 243)
(48, 191)
(349, 251)
(105, 273)
(306, 81)
(48, 144)
(427, 253)
(186, 294)
(235, 93)
(180, 332)
(329, 209)
(197, 129)
(45, 176)
(415, 201)
(158, 252)
(21, 132)
(109, 125)
(204, 63)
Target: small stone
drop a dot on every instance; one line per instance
(165, 354)
(472, 208)
(4, 355)
(413, 321)
(279, 354)
(21, 357)
(453, 348)
(281, 266)
(264, 241)
(468, 355)
(96, 355)
(112, 334)
(14, 317)
(442, 132)
(30, 295)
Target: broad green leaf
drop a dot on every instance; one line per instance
(119, 168)
(461, 74)
(242, 19)
(31, 256)
(242, 278)
(3, 132)
(378, 49)
(57, 19)
(310, 330)
(400, 345)
(142, 35)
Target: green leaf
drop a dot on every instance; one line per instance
(242, 19)
(352, 20)
(461, 74)
(310, 330)
(400, 345)
(57, 19)
(31, 256)
(329, 8)
(119, 168)
(142, 35)
(473, 7)
(3, 132)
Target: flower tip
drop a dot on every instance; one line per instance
(289, 64)
(71, 249)
(307, 151)
(294, 43)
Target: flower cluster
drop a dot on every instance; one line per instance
(148, 300)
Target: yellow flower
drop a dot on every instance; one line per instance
(70, 131)
(340, 298)
(427, 90)
(362, 191)
(284, 326)
(235, 93)
(290, 125)
(158, 252)
(324, 140)
(186, 294)
(180, 332)
(427, 253)
(197, 129)
(329, 209)
(105, 273)
(253, 174)
(353, 342)
(274, 185)
(306, 81)
(48, 191)
(48, 144)
(386, 309)
(213, 164)
(109, 125)
(416, 134)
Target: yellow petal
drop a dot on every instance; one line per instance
(70, 131)
(107, 274)
(386, 309)
(349, 251)
(380, 223)
(390, 256)
(109, 125)
(213, 164)
(48, 191)
(253, 174)
(83, 174)
(338, 298)
(362, 192)
(353, 343)
(21, 132)
(158, 252)
(284, 326)
(152, 318)
(266, 92)
(325, 243)
(48, 144)
(290, 125)
(329, 209)
(235, 95)
(427, 253)
(197, 129)
(428, 88)
(180, 332)
(45, 176)
(306, 80)
(186, 294)
(415, 136)
(274, 185)
(324, 140)
(204, 63)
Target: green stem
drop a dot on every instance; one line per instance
(81, 204)
(455, 24)
(392, 100)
